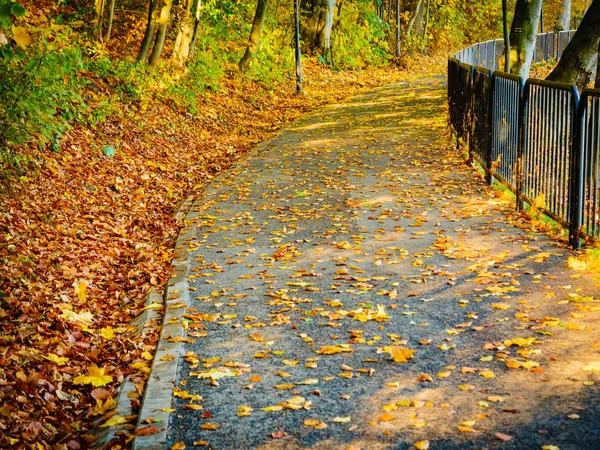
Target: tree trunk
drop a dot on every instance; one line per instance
(194, 36)
(398, 30)
(597, 82)
(326, 43)
(523, 35)
(424, 43)
(312, 24)
(506, 35)
(255, 32)
(97, 22)
(181, 49)
(150, 30)
(109, 24)
(159, 43)
(418, 13)
(564, 16)
(579, 58)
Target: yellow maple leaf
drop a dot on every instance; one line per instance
(244, 411)
(22, 37)
(102, 407)
(95, 377)
(521, 342)
(487, 373)
(114, 421)
(422, 445)
(500, 306)
(333, 349)
(59, 360)
(399, 354)
(80, 289)
(107, 333)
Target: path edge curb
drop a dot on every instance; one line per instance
(158, 394)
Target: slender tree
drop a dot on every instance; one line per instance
(523, 35)
(150, 31)
(255, 32)
(418, 14)
(97, 21)
(181, 50)
(398, 30)
(109, 22)
(327, 29)
(563, 22)
(506, 35)
(579, 58)
(298, 53)
(159, 42)
(597, 82)
(424, 43)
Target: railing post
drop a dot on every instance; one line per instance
(523, 136)
(489, 178)
(577, 164)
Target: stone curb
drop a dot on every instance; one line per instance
(149, 317)
(159, 387)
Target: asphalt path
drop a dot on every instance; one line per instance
(354, 284)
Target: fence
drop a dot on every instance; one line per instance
(536, 137)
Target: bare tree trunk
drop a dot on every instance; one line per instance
(564, 16)
(506, 35)
(255, 32)
(109, 24)
(159, 43)
(195, 35)
(181, 49)
(326, 44)
(398, 24)
(579, 58)
(597, 81)
(150, 30)
(523, 35)
(313, 22)
(418, 12)
(424, 43)
(97, 22)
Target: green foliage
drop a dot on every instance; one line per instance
(360, 39)
(40, 89)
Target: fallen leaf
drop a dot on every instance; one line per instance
(95, 377)
(278, 434)
(398, 354)
(502, 436)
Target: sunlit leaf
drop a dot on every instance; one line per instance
(95, 376)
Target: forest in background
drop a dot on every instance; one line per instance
(99, 147)
(55, 54)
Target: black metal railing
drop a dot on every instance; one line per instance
(506, 99)
(536, 137)
(587, 211)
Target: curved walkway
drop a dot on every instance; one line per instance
(354, 285)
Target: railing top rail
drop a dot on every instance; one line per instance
(553, 84)
(590, 93)
(485, 70)
(509, 76)
(466, 66)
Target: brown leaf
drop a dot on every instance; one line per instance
(147, 430)
(502, 436)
